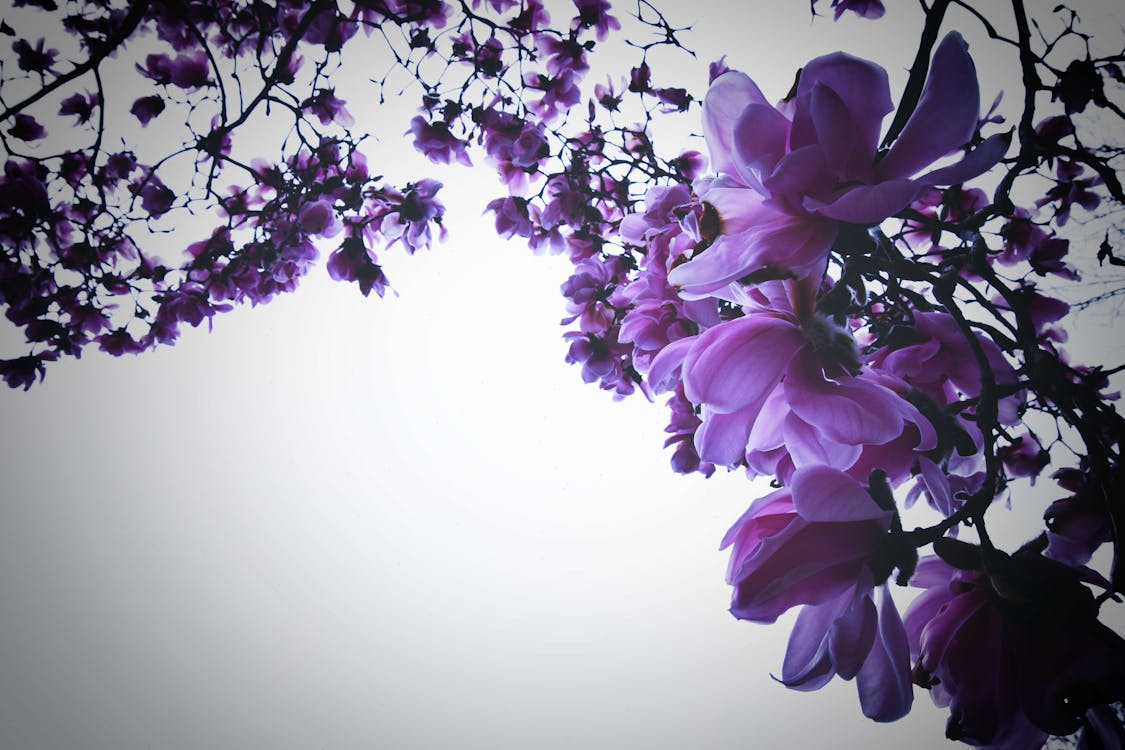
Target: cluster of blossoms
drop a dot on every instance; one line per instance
(803, 340)
(827, 301)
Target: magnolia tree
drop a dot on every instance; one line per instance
(843, 290)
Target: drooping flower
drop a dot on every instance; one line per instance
(1014, 649)
(821, 542)
(789, 174)
(806, 543)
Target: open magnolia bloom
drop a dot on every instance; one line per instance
(789, 174)
(782, 387)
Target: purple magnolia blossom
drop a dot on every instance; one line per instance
(872, 9)
(354, 262)
(436, 141)
(27, 128)
(819, 543)
(942, 365)
(789, 174)
(156, 197)
(410, 220)
(1016, 653)
(80, 105)
(783, 387)
(850, 637)
(1076, 527)
(807, 543)
(35, 59)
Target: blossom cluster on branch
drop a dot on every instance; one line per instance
(852, 308)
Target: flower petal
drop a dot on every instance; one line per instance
(725, 100)
(978, 161)
(946, 115)
(863, 88)
(868, 204)
(822, 493)
(738, 362)
(884, 685)
(760, 139)
(721, 439)
(853, 632)
(850, 410)
(664, 372)
(807, 665)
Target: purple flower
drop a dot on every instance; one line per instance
(81, 106)
(807, 543)
(595, 14)
(788, 174)
(156, 197)
(940, 362)
(1078, 85)
(1071, 189)
(1076, 527)
(319, 218)
(119, 342)
(34, 59)
(1014, 648)
(819, 543)
(328, 108)
(188, 70)
(26, 128)
(22, 371)
(436, 142)
(850, 637)
(872, 9)
(785, 389)
(511, 217)
(353, 262)
(417, 208)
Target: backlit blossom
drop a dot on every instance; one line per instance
(820, 542)
(1016, 654)
(789, 174)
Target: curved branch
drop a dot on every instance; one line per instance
(128, 26)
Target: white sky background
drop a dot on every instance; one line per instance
(339, 522)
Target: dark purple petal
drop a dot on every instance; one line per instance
(978, 161)
(807, 665)
(946, 116)
(853, 632)
(884, 681)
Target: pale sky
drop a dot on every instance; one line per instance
(338, 522)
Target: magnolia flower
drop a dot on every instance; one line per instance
(789, 174)
(783, 387)
(1015, 650)
(819, 542)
